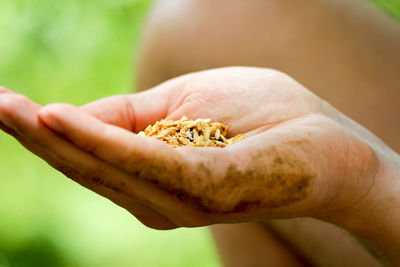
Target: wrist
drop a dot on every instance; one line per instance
(376, 216)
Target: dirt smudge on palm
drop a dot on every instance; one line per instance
(272, 178)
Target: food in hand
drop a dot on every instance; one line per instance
(185, 132)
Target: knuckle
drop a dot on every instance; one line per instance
(90, 147)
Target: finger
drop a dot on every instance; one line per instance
(144, 214)
(19, 112)
(145, 159)
(133, 112)
(4, 90)
(112, 144)
(115, 110)
(7, 130)
(3, 127)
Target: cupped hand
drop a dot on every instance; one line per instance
(300, 156)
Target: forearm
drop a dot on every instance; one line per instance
(379, 222)
(376, 217)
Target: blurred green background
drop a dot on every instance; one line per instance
(74, 51)
(77, 51)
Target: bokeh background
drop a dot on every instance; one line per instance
(77, 51)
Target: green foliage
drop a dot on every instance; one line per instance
(77, 51)
(74, 51)
(391, 6)
(81, 47)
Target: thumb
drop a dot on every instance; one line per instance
(132, 112)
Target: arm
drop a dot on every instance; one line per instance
(346, 52)
(374, 216)
(301, 157)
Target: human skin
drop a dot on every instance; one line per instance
(347, 52)
(301, 157)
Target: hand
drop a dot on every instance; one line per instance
(300, 156)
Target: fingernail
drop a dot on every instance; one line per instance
(46, 114)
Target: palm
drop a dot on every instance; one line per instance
(281, 169)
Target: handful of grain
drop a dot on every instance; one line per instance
(185, 132)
